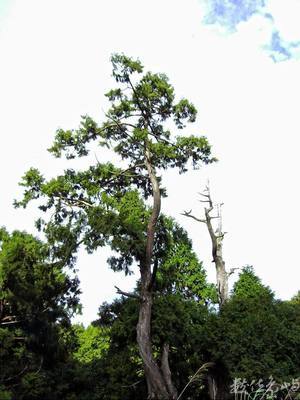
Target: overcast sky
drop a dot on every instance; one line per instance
(237, 61)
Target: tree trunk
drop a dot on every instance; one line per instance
(165, 367)
(222, 275)
(160, 386)
(217, 246)
(217, 386)
(156, 385)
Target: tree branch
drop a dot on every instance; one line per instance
(127, 294)
(9, 322)
(188, 214)
(232, 271)
(74, 202)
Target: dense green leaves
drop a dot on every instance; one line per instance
(255, 335)
(37, 300)
(92, 343)
(249, 286)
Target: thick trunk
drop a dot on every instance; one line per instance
(156, 385)
(158, 378)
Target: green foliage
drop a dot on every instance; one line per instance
(249, 286)
(93, 342)
(296, 299)
(176, 320)
(36, 300)
(256, 336)
(104, 204)
(181, 272)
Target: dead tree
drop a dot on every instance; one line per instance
(217, 380)
(211, 212)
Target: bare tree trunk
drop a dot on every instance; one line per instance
(160, 386)
(217, 237)
(217, 253)
(217, 388)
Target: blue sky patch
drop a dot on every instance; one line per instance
(281, 50)
(230, 13)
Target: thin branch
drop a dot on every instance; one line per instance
(119, 124)
(8, 317)
(133, 385)
(204, 195)
(10, 322)
(16, 376)
(204, 201)
(132, 295)
(69, 253)
(188, 214)
(40, 366)
(232, 271)
(74, 202)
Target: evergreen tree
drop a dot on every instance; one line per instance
(37, 300)
(104, 205)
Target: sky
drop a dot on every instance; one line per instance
(237, 61)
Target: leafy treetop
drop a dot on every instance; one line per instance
(104, 204)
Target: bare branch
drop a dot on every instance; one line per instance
(8, 317)
(232, 271)
(132, 295)
(133, 385)
(204, 195)
(75, 202)
(10, 322)
(188, 214)
(221, 236)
